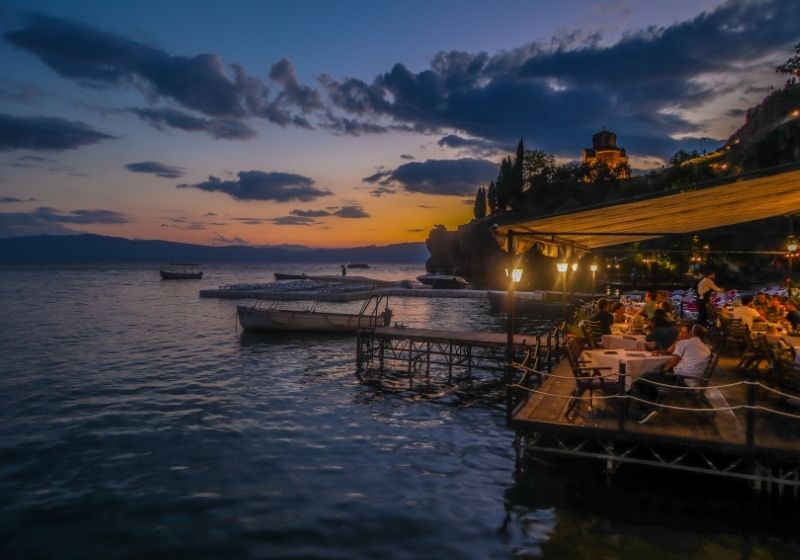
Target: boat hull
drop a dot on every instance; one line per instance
(167, 275)
(528, 306)
(252, 318)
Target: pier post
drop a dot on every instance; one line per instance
(510, 330)
(622, 402)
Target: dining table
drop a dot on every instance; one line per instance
(625, 341)
(636, 362)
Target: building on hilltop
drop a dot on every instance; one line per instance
(604, 149)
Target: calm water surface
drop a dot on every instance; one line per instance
(136, 421)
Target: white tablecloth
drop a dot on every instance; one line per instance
(626, 341)
(636, 363)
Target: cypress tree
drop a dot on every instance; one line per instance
(492, 197)
(480, 203)
(504, 185)
(515, 182)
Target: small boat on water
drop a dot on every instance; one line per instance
(181, 271)
(442, 281)
(374, 313)
(530, 303)
(352, 264)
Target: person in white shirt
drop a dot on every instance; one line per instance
(746, 313)
(690, 357)
(705, 288)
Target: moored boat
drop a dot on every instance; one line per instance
(442, 281)
(270, 319)
(181, 271)
(352, 264)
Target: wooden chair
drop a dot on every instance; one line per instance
(703, 382)
(734, 332)
(589, 378)
(593, 333)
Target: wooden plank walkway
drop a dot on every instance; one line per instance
(474, 338)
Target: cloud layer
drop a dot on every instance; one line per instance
(263, 185)
(451, 177)
(156, 168)
(48, 221)
(46, 134)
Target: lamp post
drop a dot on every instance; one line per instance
(791, 246)
(593, 268)
(562, 268)
(514, 276)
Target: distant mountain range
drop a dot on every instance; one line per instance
(97, 248)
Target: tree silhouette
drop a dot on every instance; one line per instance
(792, 65)
(516, 183)
(491, 197)
(480, 203)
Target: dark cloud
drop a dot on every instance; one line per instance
(556, 94)
(13, 200)
(48, 221)
(293, 221)
(209, 214)
(201, 83)
(472, 145)
(426, 206)
(220, 128)
(351, 211)
(263, 185)
(406, 156)
(381, 190)
(253, 221)
(310, 213)
(46, 134)
(87, 54)
(156, 168)
(415, 230)
(80, 216)
(455, 177)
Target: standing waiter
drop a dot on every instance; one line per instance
(704, 289)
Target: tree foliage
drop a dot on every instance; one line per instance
(682, 156)
(491, 197)
(792, 65)
(480, 203)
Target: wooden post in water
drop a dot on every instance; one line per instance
(623, 404)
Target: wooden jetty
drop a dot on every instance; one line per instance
(740, 430)
(423, 352)
(233, 292)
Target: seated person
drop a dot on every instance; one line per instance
(690, 357)
(603, 317)
(618, 311)
(747, 313)
(666, 305)
(761, 303)
(775, 309)
(664, 332)
(792, 314)
(649, 306)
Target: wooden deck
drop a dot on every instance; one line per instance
(722, 430)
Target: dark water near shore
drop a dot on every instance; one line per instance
(136, 422)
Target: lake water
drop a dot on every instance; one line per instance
(136, 421)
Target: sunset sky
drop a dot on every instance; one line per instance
(337, 124)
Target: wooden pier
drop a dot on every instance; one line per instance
(233, 292)
(426, 352)
(740, 430)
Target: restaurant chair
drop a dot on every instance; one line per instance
(753, 353)
(593, 333)
(587, 378)
(698, 395)
(734, 332)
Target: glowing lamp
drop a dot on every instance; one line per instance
(574, 267)
(516, 274)
(593, 267)
(791, 244)
(562, 266)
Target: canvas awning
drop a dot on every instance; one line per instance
(745, 198)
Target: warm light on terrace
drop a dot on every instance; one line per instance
(516, 275)
(562, 266)
(791, 244)
(574, 267)
(593, 267)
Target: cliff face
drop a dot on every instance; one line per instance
(470, 251)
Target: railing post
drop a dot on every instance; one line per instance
(622, 401)
(751, 412)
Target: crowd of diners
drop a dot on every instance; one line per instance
(684, 340)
